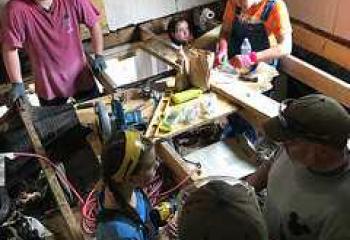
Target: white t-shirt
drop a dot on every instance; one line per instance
(305, 206)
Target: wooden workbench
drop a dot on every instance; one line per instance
(222, 108)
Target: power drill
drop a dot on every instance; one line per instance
(161, 213)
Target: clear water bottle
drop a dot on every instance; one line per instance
(246, 48)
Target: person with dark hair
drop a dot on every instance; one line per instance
(221, 211)
(128, 163)
(179, 31)
(308, 182)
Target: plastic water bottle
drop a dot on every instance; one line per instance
(246, 48)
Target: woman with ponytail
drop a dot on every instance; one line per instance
(128, 163)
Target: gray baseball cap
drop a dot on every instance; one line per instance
(220, 211)
(314, 117)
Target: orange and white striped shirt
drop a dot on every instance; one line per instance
(277, 24)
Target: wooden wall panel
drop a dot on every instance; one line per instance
(321, 45)
(342, 26)
(317, 13)
(308, 39)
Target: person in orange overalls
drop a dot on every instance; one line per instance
(265, 23)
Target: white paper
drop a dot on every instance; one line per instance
(221, 159)
(121, 72)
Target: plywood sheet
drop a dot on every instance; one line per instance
(317, 79)
(342, 27)
(320, 14)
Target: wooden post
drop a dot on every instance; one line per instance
(73, 226)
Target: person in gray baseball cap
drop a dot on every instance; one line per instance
(221, 211)
(309, 181)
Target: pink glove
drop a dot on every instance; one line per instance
(221, 52)
(244, 61)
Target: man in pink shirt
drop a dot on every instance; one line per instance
(48, 30)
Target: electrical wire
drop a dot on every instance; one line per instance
(166, 194)
(89, 207)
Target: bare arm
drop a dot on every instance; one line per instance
(97, 39)
(259, 179)
(283, 48)
(283, 35)
(12, 63)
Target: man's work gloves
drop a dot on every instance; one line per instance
(17, 91)
(98, 64)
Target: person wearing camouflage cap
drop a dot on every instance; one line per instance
(309, 181)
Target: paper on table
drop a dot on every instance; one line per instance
(222, 159)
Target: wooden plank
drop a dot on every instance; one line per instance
(337, 53)
(320, 44)
(253, 101)
(209, 39)
(163, 52)
(308, 39)
(62, 203)
(147, 34)
(317, 79)
(121, 36)
(172, 159)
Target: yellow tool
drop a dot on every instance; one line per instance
(185, 96)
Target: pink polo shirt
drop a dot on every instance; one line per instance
(52, 40)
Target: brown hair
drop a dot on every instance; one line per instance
(111, 158)
(172, 25)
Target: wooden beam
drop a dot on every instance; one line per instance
(163, 52)
(317, 79)
(322, 45)
(209, 39)
(254, 106)
(172, 160)
(62, 203)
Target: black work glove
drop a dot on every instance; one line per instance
(98, 64)
(16, 91)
